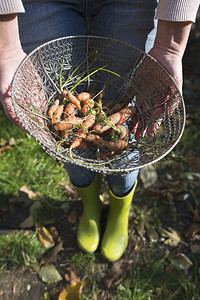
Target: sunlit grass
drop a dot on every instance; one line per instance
(27, 164)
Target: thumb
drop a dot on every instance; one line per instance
(9, 109)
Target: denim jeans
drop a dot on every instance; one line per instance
(131, 21)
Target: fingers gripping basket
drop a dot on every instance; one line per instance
(97, 64)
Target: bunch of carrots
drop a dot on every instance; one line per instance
(81, 122)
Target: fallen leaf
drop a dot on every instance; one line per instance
(12, 141)
(192, 231)
(52, 253)
(45, 237)
(47, 296)
(63, 295)
(194, 163)
(145, 224)
(69, 191)
(3, 148)
(71, 277)
(116, 274)
(195, 249)
(151, 232)
(72, 292)
(173, 238)
(140, 227)
(181, 261)
(72, 217)
(30, 193)
(27, 223)
(54, 233)
(3, 142)
(189, 175)
(49, 274)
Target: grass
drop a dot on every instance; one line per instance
(155, 281)
(27, 164)
(21, 248)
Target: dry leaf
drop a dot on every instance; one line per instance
(3, 142)
(145, 223)
(173, 238)
(72, 292)
(12, 141)
(140, 227)
(49, 274)
(47, 296)
(117, 273)
(181, 261)
(30, 193)
(45, 237)
(194, 163)
(69, 191)
(72, 217)
(52, 253)
(195, 249)
(27, 223)
(71, 277)
(152, 234)
(54, 233)
(192, 231)
(63, 295)
(3, 148)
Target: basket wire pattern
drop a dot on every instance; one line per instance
(88, 63)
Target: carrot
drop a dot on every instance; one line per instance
(65, 134)
(68, 123)
(89, 104)
(123, 133)
(84, 96)
(83, 146)
(69, 110)
(68, 95)
(117, 118)
(53, 108)
(83, 130)
(116, 146)
(57, 114)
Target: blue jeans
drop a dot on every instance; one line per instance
(131, 21)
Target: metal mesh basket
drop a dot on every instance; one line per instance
(93, 64)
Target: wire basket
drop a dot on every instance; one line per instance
(95, 64)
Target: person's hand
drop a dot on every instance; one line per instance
(157, 93)
(11, 55)
(154, 89)
(9, 63)
(172, 62)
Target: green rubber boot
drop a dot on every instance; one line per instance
(88, 233)
(115, 238)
